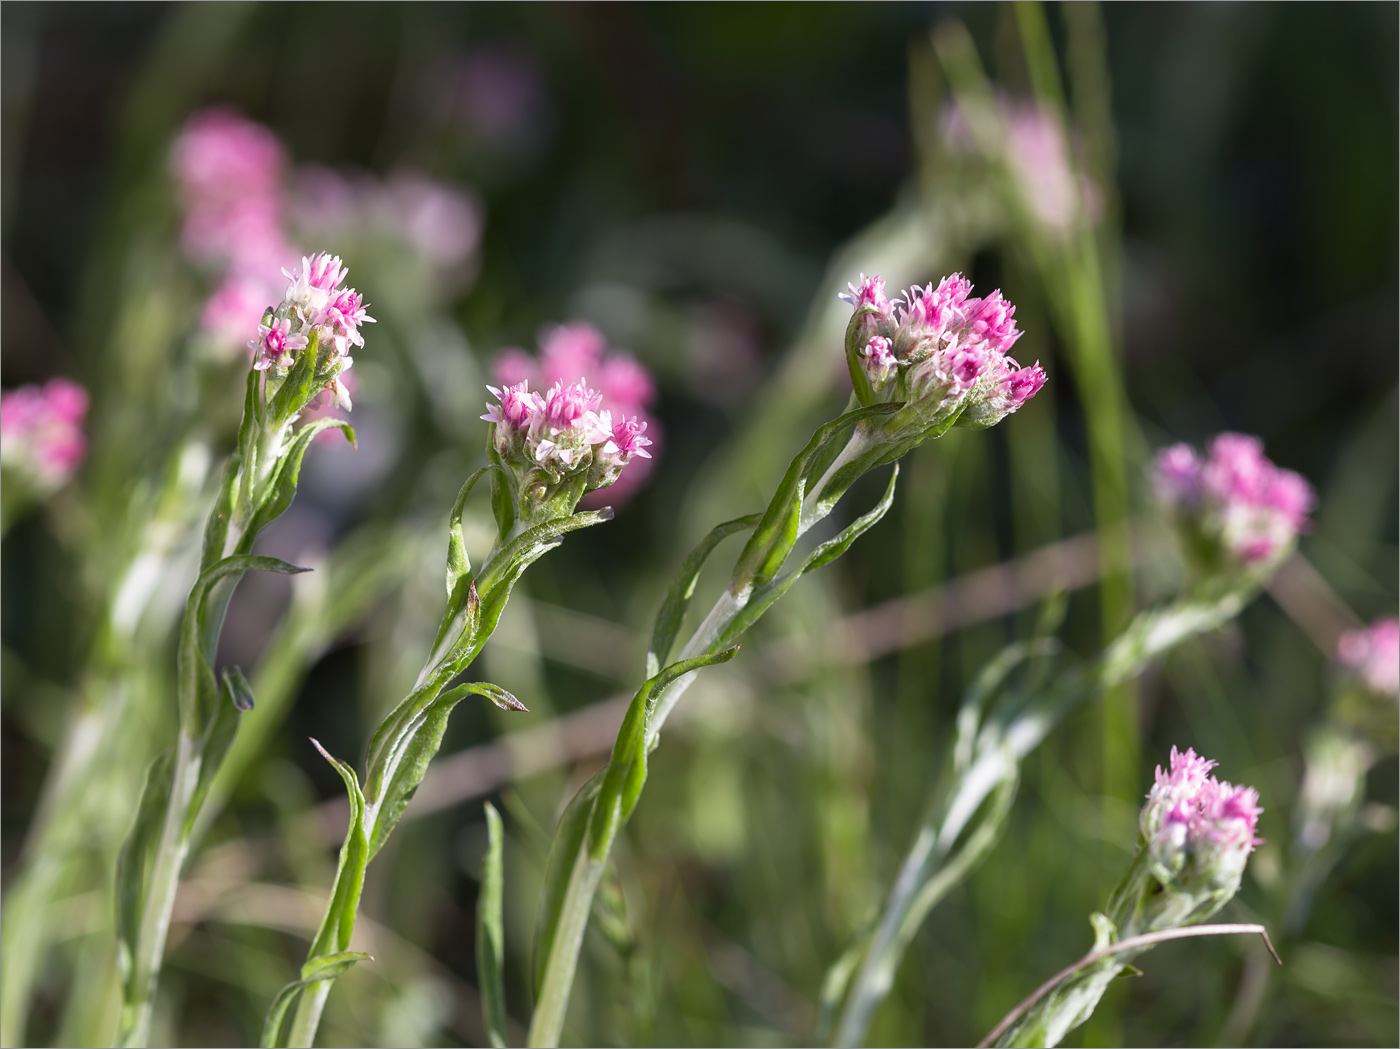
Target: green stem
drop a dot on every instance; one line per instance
(548, 1020)
(308, 1015)
(160, 895)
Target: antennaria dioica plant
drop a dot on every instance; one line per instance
(302, 353)
(938, 360)
(1238, 517)
(544, 452)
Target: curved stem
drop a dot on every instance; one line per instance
(1132, 943)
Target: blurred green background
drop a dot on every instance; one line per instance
(683, 176)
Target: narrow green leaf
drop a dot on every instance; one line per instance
(299, 385)
(626, 772)
(568, 840)
(314, 971)
(198, 690)
(281, 487)
(333, 937)
(458, 564)
(674, 608)
(239, 692)
(134, 863)
(824, 554)
(490, 933)
(393, 780)
(214, 744)
(765, 551)
(216, 528)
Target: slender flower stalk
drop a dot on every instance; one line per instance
(1196, 833)
(299, 353)
(919, 365)
(545, 450)
(1221, 524)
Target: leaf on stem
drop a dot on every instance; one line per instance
(490, 933)
(314, 971)
(393, 781)
(827, 552)
(568, 841)
(134, 865)
(281, 486)
(459, 565)
(627, 770)
(677, 603)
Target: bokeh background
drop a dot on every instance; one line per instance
(697, 181)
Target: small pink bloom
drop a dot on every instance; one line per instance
(564, 406)
(221, 154)
(516, 366)
(275, 344)
(879, 362)
(870, 294)
(1178, 474)
(1023, 384)
(624, 383)
(993, 319)
(518, 409)
(1188, 809)
(1375, 653)
(443, 223)
(964, 366)
(42, 430)
(627, 436)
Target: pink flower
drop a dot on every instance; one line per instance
(1237, 496)
(879, 362)
(1178, 475)
(1191, 813)
(1024, 383)
(870, 295)
(1374, 652)
(42, 431)
(519, 408)
(443, 223)
(220, 154)
(586, 388)
(275, 344)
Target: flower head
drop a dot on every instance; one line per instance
(315, 305)
(41, 435)
(1197, 834)
(588, 409)
(1374, 654)
(1236, 499)
(938, 347)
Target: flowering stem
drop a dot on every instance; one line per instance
(170, 854)
(944, 850)
(1132, 944)
(716, 632)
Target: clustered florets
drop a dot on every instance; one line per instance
(42, 431)
(564, 430)
(1236, 498)
(314, 303)
(1374, 653)
(940, 345)
(1193, 820)
(588, 408)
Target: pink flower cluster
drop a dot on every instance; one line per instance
(42, 433)
(1236, 496)
(315, 301)
(1374, 653)
(941, 343)
(1191, 814)
(592, 399)
(228, 173)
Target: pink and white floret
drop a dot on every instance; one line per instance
(939, 345)
(315, 304)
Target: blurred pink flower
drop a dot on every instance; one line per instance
(42, 431)
(1236, 496)
(1374, 652)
